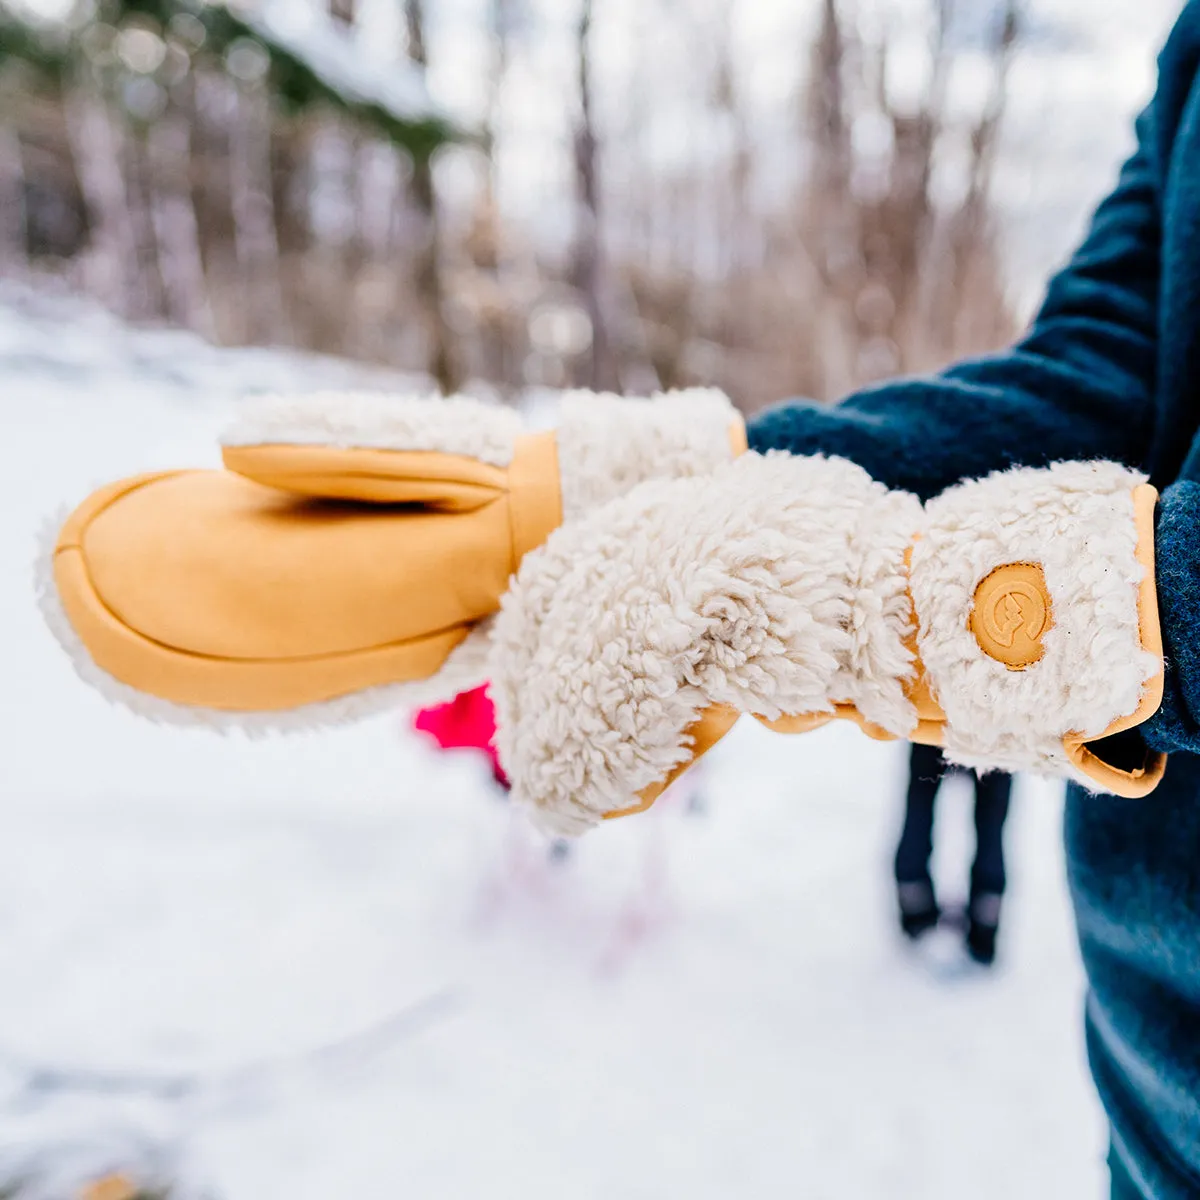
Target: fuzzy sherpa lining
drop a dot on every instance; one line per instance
(747, 587)
(608, 444)
(377, 420)
(1077, 521)
(879, 663)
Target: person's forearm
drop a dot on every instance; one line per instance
(923, 435)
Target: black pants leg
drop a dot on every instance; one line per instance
(992, 792)
(926, 766)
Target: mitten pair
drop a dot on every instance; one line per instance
(656, 583)
(353, 545)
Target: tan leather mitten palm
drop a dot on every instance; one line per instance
(352, 543)
(1012, 620)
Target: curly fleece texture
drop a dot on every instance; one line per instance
(378, 420)
(606, 443)
(778, 586)
(1077, 521)
(627, 623)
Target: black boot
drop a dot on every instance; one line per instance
(919, 912)
(983, 921)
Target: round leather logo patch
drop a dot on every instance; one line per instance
(1011, 614)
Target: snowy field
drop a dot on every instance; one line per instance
(337, 966)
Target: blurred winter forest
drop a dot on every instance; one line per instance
(278, 173)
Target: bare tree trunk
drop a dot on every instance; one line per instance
(910, 216)
(109, 266)
(588, 266)
(731, 200)
(486, 242)
(254, 218)
(832, 221)
(985, 136)
(12, 203)
(149, 297)
(351, 249)
(499, 19)
(827, 120)
(169, 149)
(443, 363)
(954, 320)
(289, 161)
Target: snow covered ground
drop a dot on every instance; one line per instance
(338, 966)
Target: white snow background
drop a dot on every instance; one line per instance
(337, 965)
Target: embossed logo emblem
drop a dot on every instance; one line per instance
(1011, 614)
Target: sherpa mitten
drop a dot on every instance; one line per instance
(1011, 620)
(353, 543)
